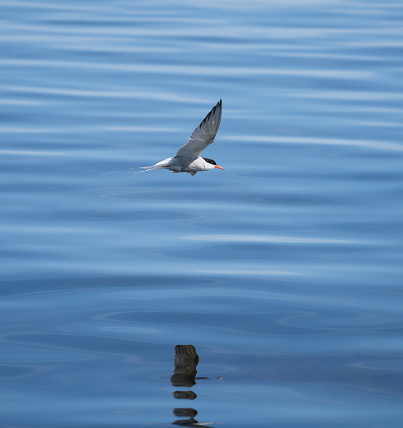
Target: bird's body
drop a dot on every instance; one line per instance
(188, 158)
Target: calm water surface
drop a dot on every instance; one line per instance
(284, 271)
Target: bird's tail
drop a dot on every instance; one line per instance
(160, 165)
(146, 168)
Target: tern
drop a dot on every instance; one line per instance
(188, 157)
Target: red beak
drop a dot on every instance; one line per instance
(220, 167)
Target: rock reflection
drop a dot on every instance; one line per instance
(184, 375)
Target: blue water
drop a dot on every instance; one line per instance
(284, 271)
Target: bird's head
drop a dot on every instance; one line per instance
(212, 163)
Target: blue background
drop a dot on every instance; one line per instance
(284, 270)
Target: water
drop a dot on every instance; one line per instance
(284, 271)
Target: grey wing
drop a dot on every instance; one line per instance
(204, 134)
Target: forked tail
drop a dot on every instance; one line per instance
(160, 165)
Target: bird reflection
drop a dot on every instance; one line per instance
(187, 395)
(189, 413)
(185, 362)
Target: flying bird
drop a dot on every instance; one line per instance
(188, 157)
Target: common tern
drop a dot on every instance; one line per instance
(187, 158)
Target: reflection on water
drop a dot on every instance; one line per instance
(185, 362)
(187, 413)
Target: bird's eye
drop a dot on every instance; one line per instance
(210, 161)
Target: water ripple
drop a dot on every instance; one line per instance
(189, 70)
(382, 145)
(260, 238)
